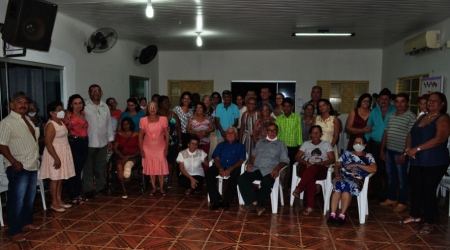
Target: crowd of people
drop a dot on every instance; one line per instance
(80, 143)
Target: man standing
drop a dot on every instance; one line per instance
(316, 95)
(20, 150)
(101, 136)
(377, 120)
(422, 103)
(290, 133)
(228, 158)
(265, 98)
(268, 158)
(392, 152)
(250, 94)
(227, 114)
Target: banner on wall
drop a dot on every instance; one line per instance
(432, 84)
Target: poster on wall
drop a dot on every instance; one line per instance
(432, 84)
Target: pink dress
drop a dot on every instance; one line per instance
(154, 163)
(62, 148)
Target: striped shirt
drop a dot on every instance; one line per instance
(15, 134)
(398, 127)
(290, 130)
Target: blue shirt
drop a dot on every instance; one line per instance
(226, 116)
(378, 124)
(229, 154)
(136, 118)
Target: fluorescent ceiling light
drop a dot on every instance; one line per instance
(199, 40)
(323, 34)
(149, 11)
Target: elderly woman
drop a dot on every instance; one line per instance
(184, 113)
(259, 131)
(350, 170)
(357, 119)
(134, 112)
(201, 126)
(313, 157)
(126, 149)
(191, 170)
(426, 145)
(57, 161)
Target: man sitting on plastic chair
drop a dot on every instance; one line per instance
(228, 158)
(268, 158)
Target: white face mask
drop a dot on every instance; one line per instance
(60, 114)
(274, 139)
(143, 107)
(31, 114)
(358, 147)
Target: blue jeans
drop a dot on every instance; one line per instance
(397, 174)
(21, 194)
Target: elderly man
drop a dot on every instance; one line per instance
(268, 158)
(316, 95)
(101, 136)
(228, 158)
(20, 150)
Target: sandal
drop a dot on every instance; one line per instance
(426, 229)
(79, 200)
(188, 191)
(308, 211)
(410, 220)
(163, 193)
(153, 192)
(296, 193)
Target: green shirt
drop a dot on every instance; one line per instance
(290, 130)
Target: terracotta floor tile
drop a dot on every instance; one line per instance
(201, 224)
(293, 230)
(235, 226)
(85, 226)
(165, 232)
(156, 243)
(131, 240)
(254, 239)
(140, 230)
(258, 228)
(224, 236)
(188, 245)
(319, 243)
(284, 241)
(221, 246)
(96, 239)
(195, 234)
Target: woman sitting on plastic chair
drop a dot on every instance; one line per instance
(313, 157)
(350, 171)
(126, 151)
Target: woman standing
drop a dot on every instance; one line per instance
(154, 146)
(259, 131)
(357, 119)
(279, 109)
(126, 149)
(134, 112)
(115, 113)
(307, 120)
(328, 122)
(77, 126)
(242, 108)
(209, 112)
(201, 126)
(313, 157)
(57, 161)
(216, 99)
(350, 170)
(174, 128)
(426, 145)
(184, 113)
(248, 119)
(191, 160)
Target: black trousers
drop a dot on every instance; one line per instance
(79, 149)
(211, 183)
(424, 182)
(186, 182)
(245, 182)
(379, 179)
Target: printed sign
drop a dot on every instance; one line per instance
(432, 84)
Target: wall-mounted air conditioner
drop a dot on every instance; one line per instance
(428, 40)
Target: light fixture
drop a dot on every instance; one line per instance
(199, 39)
(322, 33)
(149, 10)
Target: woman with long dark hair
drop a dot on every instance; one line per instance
(132, 111)
(184, 113)
(357, 119)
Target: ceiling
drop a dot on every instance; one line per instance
(259, 24)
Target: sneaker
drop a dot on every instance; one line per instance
(259, 210)
(339, 221)
(331, 221)
(245, 208)
(399, 208)
(388, 202)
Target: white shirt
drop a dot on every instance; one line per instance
(100, 129)
(192, 161)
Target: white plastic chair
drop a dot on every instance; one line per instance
(325, 184)
(443, 186)
(220, 178)
(277, 190)
(3, 188)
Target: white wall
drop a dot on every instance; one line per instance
(110, 70)
(435, 62)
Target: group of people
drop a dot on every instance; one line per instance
(90, 134)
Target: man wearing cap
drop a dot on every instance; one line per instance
(378, 119)
(316, 95)
(20, 150)
(227, 114)
(422, 103)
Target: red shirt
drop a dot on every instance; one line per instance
(127, 146)
(76, 126)
(116, 114)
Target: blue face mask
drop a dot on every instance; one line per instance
(358, 147)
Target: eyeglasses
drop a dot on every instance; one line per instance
(95, 91)
(271, 130)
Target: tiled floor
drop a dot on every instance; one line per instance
(179, 222)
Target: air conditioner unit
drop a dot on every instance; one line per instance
(428, 40)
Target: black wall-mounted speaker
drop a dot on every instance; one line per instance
(29, 24)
